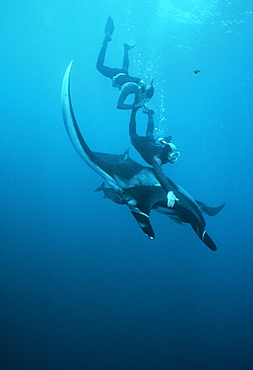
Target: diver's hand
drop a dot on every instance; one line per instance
(129, 47)
(147, 110)
(140, 104)
(171, 198)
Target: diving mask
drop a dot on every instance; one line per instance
(173, 153)
(173, 156)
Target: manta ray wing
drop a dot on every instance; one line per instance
(210, 210)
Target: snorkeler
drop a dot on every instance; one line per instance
(154, 152)
(120, 76)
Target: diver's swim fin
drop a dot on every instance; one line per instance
(109, 27)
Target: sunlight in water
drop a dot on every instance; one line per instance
(186, 11)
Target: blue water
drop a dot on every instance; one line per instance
(81, 286)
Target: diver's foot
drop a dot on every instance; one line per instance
(129, 47)
(145, 109)
(148, 111)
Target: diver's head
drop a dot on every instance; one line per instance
(170, 149)
(149, 90)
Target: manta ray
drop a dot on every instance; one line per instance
(134, 185)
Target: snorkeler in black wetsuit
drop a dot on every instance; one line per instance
(154, 153)
(120, 76)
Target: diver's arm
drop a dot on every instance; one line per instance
(157, 166)
(127, 89)
(156, 163)
(140, 99)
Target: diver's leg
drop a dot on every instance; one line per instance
(150, 126)
(126, 57)
(106, 71)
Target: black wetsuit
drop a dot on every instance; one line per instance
(112, 72)
(149, 148)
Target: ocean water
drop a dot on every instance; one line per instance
(81, 286)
